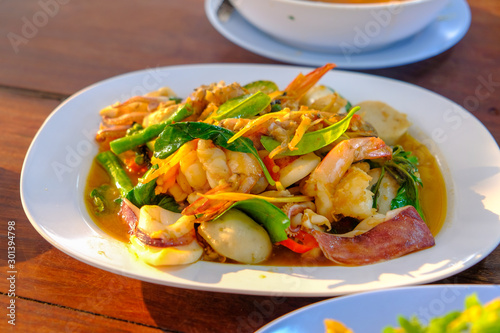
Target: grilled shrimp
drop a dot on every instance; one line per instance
(327, 175)
(214, 162)
(192, 169)
(245, 170)
(240, 170)
(352, 196)
(301, 85)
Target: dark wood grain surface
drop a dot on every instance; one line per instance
(77, 43)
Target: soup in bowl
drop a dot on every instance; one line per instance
(340, 26)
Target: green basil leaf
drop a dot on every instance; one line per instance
(244, 106)
(404, 197)
(167, 202)
(144, 194)
(403, 168)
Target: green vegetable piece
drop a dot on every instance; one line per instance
(113, 166)
(411, 326)
(440, 324)
(134, 129)
(403, 168)
(104, 199)
(98, 200)
(275, 107)
(177, 134)
(472, 300)
(244, 106)
(266, 87)
(406, 196)
(483, 321)
(313, 141)
(144, 194)
(273, 219)
(375, 188)
(151, 145)
(176, 99)
(121, 145)
(139, 159)
(348, 106)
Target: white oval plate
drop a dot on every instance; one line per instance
(59, 158)
(372, 311)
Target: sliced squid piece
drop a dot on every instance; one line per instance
(163, 256)
(298, 169)
(402, 231)
(162, 237)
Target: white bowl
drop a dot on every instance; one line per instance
(339, 28)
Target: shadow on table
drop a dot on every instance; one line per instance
(15, 226)
(202, 311)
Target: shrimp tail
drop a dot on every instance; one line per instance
(302, 83)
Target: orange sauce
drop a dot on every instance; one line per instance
(110, 222)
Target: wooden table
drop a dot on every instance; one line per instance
(50, 49)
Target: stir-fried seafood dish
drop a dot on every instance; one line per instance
(252, 173)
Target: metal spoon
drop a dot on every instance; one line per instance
(225, 10)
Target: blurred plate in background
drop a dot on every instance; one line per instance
(372, 311)
(449, 28)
